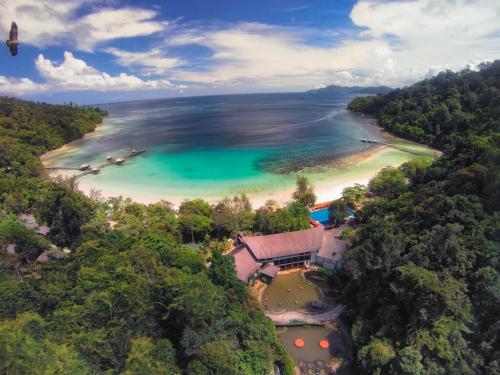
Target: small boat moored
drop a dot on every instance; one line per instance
(84, 167)
(109, 158)
(96, 170)
(119, 161)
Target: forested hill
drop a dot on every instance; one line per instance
(28, 129)
(422, 280)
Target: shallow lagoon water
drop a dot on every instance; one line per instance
(221, 145)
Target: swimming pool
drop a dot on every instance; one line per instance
(321, 215)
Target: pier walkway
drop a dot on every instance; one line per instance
(291, 318)
(92, 170)
(401, 148)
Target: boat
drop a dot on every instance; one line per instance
(84, 167)
(364, 140)
(96, 170)
(135, 152)
(109, 158)
(119, 161)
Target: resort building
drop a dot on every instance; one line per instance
(269, 254)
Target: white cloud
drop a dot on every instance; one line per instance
(75, 74)
(110, 24)
(19, 86)
(57, 22)
(395, 43)
(446, 34)
(150, 62)
(277, 56)
(400, 42)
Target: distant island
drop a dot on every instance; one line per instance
(334, 89)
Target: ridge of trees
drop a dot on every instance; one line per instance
(422, 280)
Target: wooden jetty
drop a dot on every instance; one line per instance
(393, 146)
(96, 170)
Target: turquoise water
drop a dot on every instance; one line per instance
(215, 146)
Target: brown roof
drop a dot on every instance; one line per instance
(27, 218)
(43, 230)
(43, 257)
(332, 247)
(270, 270)
(284, 244)
(244, 263)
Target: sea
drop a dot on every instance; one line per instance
(215, 146)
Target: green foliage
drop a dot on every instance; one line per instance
(29, 245)
(282, 219)
(26, 348)
(232, 215)
(337, 212)
(388, 183)
(354, 195)
(422, 276)
(195, 219)
(375, 355)
(151, 358)
(410, 361)
(304, 194)
(415, 168)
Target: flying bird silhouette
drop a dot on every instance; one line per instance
(12, 42)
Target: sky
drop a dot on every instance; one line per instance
(99, 51)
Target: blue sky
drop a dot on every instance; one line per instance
(91, 51)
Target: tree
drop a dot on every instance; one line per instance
(337, 212)
(376, 355)
(388, 183)
(195, 219)
(151, 358)
(410, 361)
(26, 348)
(231, 216)
(415, 168)
(29, 245)
(354, 195)
(284, 219)
(304, 194)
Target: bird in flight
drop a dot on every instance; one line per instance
(12, 42)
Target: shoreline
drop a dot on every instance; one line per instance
(64, 147)
(351, 170)
(328, 180)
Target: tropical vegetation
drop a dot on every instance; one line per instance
(422, 281)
